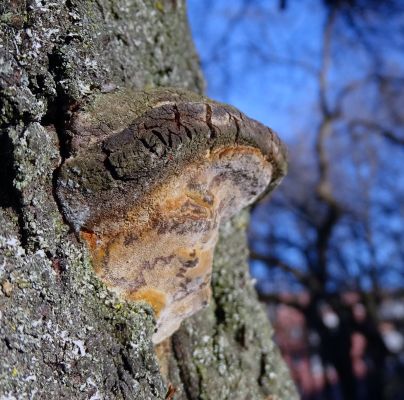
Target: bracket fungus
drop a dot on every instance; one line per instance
(150, 176)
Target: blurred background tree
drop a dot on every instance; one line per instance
(329, 77)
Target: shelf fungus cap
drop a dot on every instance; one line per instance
(150, 177)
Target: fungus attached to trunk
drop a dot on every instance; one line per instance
(149, 179)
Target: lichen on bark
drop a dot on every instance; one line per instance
(228, 351)
(62, 333)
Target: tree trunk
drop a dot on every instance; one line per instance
(63, 335)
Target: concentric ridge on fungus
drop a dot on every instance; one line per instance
(150, 177)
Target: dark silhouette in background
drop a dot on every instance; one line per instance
(329, 245)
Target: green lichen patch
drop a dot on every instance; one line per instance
(65, 335)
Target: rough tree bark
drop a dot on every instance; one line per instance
(62, 333)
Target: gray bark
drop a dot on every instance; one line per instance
(62, 333)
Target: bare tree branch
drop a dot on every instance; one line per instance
(377, 128)
(307, 280)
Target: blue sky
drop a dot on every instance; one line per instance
(273, 95)
(266, 63)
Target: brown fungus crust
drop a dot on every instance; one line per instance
(151, 176)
